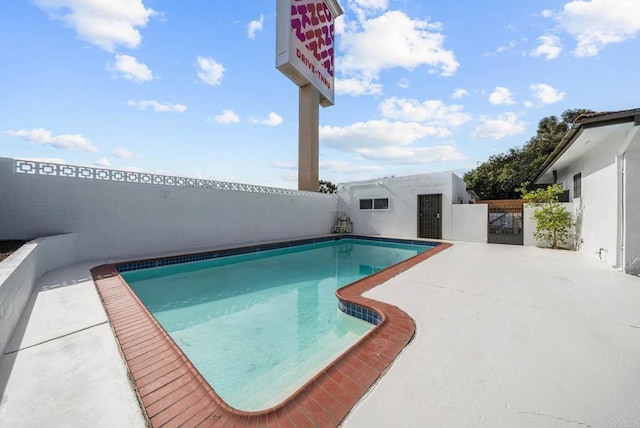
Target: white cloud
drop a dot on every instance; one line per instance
(123, 153)
(227, 116)
(546, 13)
(157, 106)
(357, 86)
(105, 23)
(403, 83)
(431, 112)
(364, 8)
(209, 71)
(413, 155)
(370, 4)
(254, 26)
(273, 120)
(597, 23)
(341, 167)
(549, 47)
(512, 44)
(378, 133)
(394, 40)
(383, 140)
(102, 162)
(546, 94)
(459, 93)
(528, 104)
(63, 141)
(131, 69)
(501, 96)
(500, 126)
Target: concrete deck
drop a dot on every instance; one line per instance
(506, 336)
(511, 337)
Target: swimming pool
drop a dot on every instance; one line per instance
(258, 325)
(171, 389)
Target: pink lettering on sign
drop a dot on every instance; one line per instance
(313, 25)
(313, 69)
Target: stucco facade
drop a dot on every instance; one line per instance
(599, 163)
(400, 218)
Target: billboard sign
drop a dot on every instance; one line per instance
(305, 44)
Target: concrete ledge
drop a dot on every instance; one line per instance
(20, 271)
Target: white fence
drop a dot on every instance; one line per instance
(469, 223)
(121, 214)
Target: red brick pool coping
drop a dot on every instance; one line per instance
(173, 393)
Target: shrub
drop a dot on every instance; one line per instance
(553, 221)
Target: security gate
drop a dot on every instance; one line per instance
(430, 216)
(505, 222)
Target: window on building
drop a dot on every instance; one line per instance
(366, 204)
(381, 204)
(577, 185)
(374, 204)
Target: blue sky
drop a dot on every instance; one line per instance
(191, 89)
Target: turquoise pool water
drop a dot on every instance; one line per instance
(257, 326)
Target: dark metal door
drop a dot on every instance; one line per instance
(505, 224)
(430, 216)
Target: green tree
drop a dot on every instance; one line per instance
(553, 221)
(501, 175)
(325, 186)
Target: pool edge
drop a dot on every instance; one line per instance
(172, 392)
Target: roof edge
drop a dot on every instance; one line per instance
(585, 122)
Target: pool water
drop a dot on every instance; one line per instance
(257, 326)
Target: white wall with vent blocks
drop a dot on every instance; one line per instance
(118, 214)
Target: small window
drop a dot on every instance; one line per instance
(374, 204)
(381, 204)
(366, 204)
(577, 185)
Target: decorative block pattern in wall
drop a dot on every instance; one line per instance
(85, 172)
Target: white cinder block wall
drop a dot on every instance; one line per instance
(122, 220)
(469, 222)
(401, 219)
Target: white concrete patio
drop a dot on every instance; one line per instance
(506, 337)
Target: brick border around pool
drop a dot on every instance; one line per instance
(173, 393)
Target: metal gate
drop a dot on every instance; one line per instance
(505, 222)
(430, 216)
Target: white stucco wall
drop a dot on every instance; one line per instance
(459, 189)
(469, 222)
(119, 219)
(401, 219)
(597, 210)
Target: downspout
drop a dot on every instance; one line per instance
(620, 256)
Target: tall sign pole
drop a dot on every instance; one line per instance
(305, 49)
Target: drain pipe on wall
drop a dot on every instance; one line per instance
(620, 164)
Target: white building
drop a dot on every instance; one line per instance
(598, 161)
(415, 206)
